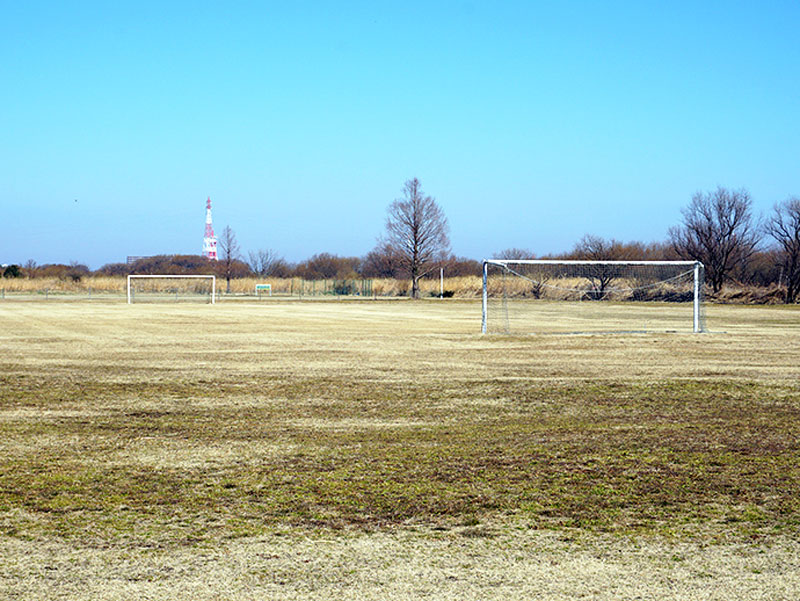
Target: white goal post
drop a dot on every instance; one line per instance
(180, 277)
(517, 285)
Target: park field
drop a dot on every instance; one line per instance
(365, 449)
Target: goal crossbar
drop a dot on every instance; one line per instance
(575, 262)
(213, 279)
(696, 267)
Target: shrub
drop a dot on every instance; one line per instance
(12, 271)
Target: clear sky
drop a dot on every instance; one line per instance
(531, 123)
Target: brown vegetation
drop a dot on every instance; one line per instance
(465, 286)
(718, 229)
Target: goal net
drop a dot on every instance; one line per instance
(540, 296)
(172, 288)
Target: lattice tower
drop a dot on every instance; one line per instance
(209, 240)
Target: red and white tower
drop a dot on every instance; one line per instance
(209, 240)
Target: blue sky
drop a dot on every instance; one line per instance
(531, 123)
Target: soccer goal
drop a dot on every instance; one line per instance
(172, 288)
(540, 296)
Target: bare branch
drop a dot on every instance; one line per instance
(783, 226)
(718, 229)
(265, 262)
(416, 231)
(229, 254)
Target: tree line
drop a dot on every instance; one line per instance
(717, 228)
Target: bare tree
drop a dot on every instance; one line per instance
(326, 266)
(265, 262)
(537, 277)
(784, 227)
(381, 262)
(595, 248)
(229, 254)
(718, 229)
(515, 254)
(77, 271)
(461, 266)
(416, 228)
(30, 268)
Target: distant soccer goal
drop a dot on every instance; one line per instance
(172, 288)
(540, 296)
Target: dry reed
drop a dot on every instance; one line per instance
(459, 287)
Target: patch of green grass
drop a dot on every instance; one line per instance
(621, 457)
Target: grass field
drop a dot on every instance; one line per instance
(363, 449)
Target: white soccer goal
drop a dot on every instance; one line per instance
(176, 288)
(531, 296)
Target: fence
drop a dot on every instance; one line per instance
(240, 289)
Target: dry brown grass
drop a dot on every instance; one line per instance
(64, 285)
(235, 451)
(99, 285)
(465, 563)
(468, 287)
